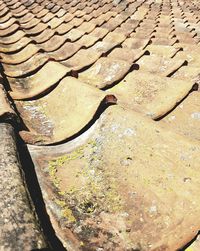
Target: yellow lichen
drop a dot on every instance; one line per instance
(66, 212)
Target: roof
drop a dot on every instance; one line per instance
(104, 97)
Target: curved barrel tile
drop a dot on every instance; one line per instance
(115, 185)
(135, 43)
(13, 38)
(29, 87)
(53, 43)
(82, 59)
(6, 17)
(10, 48)
(163, 50)
(13, 28)
(24, 68)
(36, 29)
(30, 24)
(60, 114)
(126, 54)
(26, 18)
(162, 66)
(185, 119)
(7, 24)
(65, 51)
(150, 94)
(43, 36)
(105, 72)
(21, 56)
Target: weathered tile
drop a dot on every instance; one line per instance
(50, 126)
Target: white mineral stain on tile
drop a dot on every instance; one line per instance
(196, 115)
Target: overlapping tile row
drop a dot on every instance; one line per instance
(119, 81)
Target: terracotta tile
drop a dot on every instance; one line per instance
(49, 5)
(63, 28)
(160, 65)
(114, 37)
(164, 41)
(105, 72)
(68, 17)
(5, 17)
(42, 13)
(187, 72)
(26, 18)
(2, 6)
(80, 13)
(99, 43)
(55, 9)
(112, 24)
(5, 107)
(13, 38)
(28, 87)
(7, 24)
(145, 196)
(73, 35)
(60, 13)
(142, 34)
(19, 10)
(43, 36)
(37, 29)
(26, 67)
(15, 46)
(87, 41)
(53, 126)
(4, 12)
(65, 51)
(32, 23)
(14, 27)
(47, 17)
(163, 50)
(20, 56)
(28, 3)
(35, 9)
(55, 22)
(75, 22)
(53, 43)
(99, 32)
(103, 47)
(135, 43)
(87, 27)
(82, 59)
(126, 54)
(148, 91)
(185, 118)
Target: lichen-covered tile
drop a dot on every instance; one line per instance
(160, 65)
(81, 103)
(150, 94)
(185, 118)
(115, 184)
